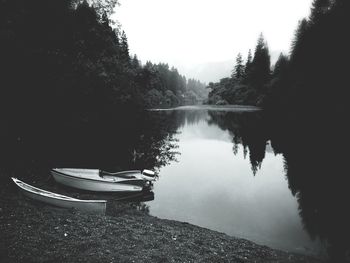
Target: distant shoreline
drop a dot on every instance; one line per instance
(231, 108)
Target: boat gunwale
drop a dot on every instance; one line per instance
(48, 194)
(122, 172)
(97, 180)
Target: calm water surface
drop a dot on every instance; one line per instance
(214, 184)
(279, 182)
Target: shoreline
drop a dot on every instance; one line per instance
(209, 107)
(32, 232)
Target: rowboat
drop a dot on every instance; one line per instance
(94, 206)
(97, 181)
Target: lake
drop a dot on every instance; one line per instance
(214, 183)
(276, 180)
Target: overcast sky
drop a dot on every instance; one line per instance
(187, 33)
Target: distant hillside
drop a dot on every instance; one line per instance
(214, 71)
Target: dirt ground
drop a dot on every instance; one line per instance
(32, 232)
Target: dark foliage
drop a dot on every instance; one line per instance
(239, 70)
(65, 70)
(248, 82)
(259, 74)
(165, 87)
(318, 73)
(61, 64)
(313, 78)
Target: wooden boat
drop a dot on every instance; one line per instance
(95, 206)
(97, 181)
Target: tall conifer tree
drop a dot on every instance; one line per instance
(124, 48)
(238, 71)
(260, 66)
(319, 8)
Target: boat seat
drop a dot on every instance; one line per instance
(121, 175)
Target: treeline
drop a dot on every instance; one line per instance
(165, 87)
(247, 84)
(313, 76)
(61, 62)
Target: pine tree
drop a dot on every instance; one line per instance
(248, 64)
(124, 48)
(298, 46)
(318, 9)
(135, 62)
(238, 72)
(281, 66)
(249, 58)
(260, 66)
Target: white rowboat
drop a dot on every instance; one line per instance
(94, 180)
(94, 206)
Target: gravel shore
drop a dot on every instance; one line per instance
(32, 232)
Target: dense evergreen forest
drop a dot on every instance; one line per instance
(312, 77)
(62, 62)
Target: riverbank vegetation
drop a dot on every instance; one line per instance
(312, 77)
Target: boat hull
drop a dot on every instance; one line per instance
(91, 206)
(129, 185)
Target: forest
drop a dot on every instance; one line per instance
(312, 77)
(65, 62)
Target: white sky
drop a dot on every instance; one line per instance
(185, 33)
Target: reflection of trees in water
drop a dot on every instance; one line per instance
(134, 140)
(150, 144)
(315, 162)
(315, 165)
(318, 176)
(247, 129)
(157, 145)
(192, 117)
(129, 141)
